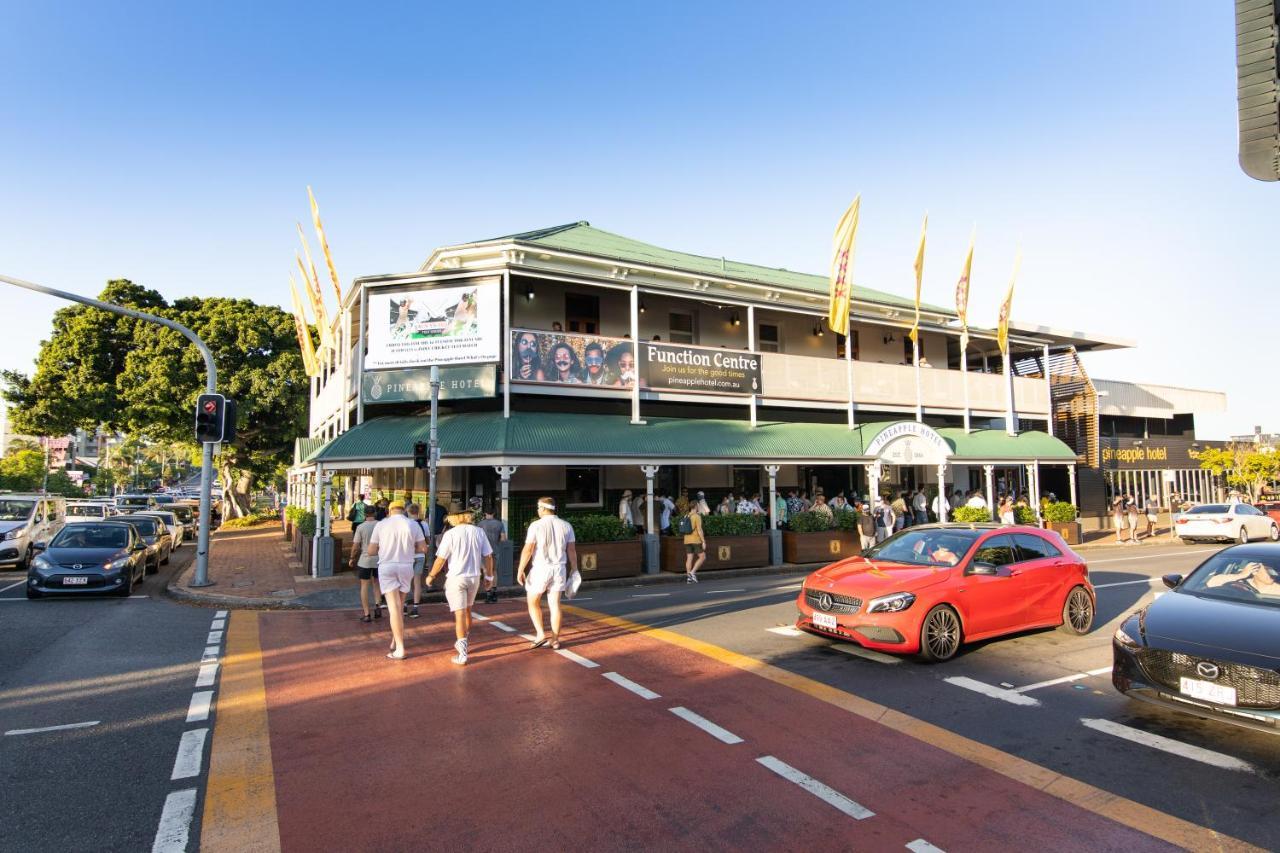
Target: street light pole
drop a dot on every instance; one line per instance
(433, 459)
(211, 387)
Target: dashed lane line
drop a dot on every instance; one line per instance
(650, 595)
(221, 614)
(190, 754)
(210, 654)
(479, 617)
(1169, 745)
(722, 591)
(577, 658)
(1010, 696)
(922, 846)
(640, 690)
(218, 624)
(721, 734)
(502, 626)
(1066, 679)
(208, 674)
(214, 637)
(826, 793)
(866, 654)
(198, 711)
(63, 728)
(786, 631)
(175, 822)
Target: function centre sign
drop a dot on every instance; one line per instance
(909, 443)
(685, 368)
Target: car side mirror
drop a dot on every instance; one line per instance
(1171, 581)
(977, 568)
(139, 546)
(39, 546)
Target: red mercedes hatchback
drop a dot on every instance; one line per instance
(928, 589)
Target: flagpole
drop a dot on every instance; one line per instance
(964, 379)
(915, 356)
(848, 361)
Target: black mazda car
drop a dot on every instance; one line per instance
(1212, 646)
(89, 557)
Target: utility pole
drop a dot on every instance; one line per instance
(211, 385)
(433, 460)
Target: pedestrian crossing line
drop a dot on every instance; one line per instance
(210, 655)
(719, 733)
(922, 846)
(1169, 745)
(479, 617)
(827, 794)
(865, 654)
(502, 626)
(640, 690)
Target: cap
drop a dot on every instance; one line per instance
(626, 493)
(396, 505)
(456, 507)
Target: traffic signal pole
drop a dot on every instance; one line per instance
(211, 385)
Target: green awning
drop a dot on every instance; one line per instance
(557, 438)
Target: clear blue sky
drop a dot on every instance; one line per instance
(173, 145)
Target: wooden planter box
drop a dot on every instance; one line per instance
(1068, 530)
(304, 553)
(823, 547)
(600, 560)
(288, 531)
(723, 552)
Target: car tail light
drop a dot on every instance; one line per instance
(1182, 521)
(1224, 520)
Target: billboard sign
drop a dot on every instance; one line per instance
(440, 325)
(464, 382)
(700, 369)
(554, 358)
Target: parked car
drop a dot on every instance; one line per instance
(156, 536)
(188, 517)
(931, 588)
(1238, 521)
(176, 531)
(87, 511)
(163, 500)
(130, 503)
(25, 520)
(1211, 647)
(88, 557)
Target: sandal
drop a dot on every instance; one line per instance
(394, 656)
(555, 645)
(537, 644)
(366, 618)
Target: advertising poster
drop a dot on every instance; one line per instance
(710, 371)
(557, 358)
(464, 382)
(453, 324)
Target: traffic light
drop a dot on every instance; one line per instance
(211, 410)
(421, 459)
(229, 421)
(1257, 92)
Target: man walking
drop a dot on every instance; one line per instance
(695, 542)
(366, 567)
(866, 526)
(394, 542)
(496, 530)
(419, 563)
(548, 546)
(465, 548)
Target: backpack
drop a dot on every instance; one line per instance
(351, 514)
(686, 525)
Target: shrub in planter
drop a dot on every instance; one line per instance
(306, 523)
(970, 514)
(251, 520)
(1025, 515)
(589, 529)
(809, 522)
(291, 513)
(847, 520)
(731, 525)
(1060, 512)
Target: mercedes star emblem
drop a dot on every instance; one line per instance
(825, 601)
(1207, 670)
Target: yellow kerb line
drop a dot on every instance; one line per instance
(1112, 806)
(240, 797)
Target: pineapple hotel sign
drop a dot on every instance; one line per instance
(909, 443)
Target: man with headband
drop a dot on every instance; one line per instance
(548, 546)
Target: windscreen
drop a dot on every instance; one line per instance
(1208, 509)
(933, 547)
(1233, 576)
(13, 510)
(91, 536)
(146, 526)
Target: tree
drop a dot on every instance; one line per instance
(1257, 469)
(23, 471)
(100, 368)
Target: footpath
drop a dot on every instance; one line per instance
(256, 568)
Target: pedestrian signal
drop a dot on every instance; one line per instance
(420, 457)
(211, 410)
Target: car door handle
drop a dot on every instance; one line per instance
(1013, 573)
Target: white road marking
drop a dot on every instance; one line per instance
(190, 754)
(478, 616)
(175, 822)
(994, 692)
(922, 846)
(578, 659)
(61, 728)
(208, 673)
(1125, 583)
(12, 585)
(1065, 679)
(720, 734)
(823, 792)
(721, 591)
(1145, 556)
(221, 614)
(785, 631)
(791, 586)
(218, 625)
(214, 637)
(139, 596)
(650, 595)
(639, 690)
(502, 626)
(869, 654)
(1164, 744)
(210, 654)
(199, 708)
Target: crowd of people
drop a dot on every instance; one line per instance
(1128, 515)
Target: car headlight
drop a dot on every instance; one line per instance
(895, 603)
(15, 533)
(116, 565)
(42, 563)
(1125, 640)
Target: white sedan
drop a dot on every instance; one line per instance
(1240, 522)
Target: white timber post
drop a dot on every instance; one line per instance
(989, 472)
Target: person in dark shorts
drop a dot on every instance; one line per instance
(695, 543)
(367, 567)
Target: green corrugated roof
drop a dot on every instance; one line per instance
(585, 435)
(581, 238)
(305, 448)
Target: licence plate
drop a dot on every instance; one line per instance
(825, 621)
(1219, 694)
(75, 581)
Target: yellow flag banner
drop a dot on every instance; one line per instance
(914, 334)
(1002, 334)
(324, 246)
(317, 303)
(962, 298)
(842, 270)
(309, 361)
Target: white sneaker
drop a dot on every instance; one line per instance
(460, 659)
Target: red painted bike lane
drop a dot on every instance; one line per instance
(530, 750)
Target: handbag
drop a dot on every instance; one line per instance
(575, 582)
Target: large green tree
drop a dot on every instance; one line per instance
(100, 368)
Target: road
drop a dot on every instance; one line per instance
(677, 717)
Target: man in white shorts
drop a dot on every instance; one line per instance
(465, 549)
(548, 545)
(394, 542)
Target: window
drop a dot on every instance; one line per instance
(681, 328)
(582, 313)
(1034, 548)
(997, 551)
(840, 345)
(906, 350)
(767, 340)
(582, 486)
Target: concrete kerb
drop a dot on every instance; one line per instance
(207, 597)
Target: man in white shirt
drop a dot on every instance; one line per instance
(664, 522)
(548, 546)
(941, 506)
(394, 542)
(976, 500)
(465, 549)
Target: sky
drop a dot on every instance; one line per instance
(173, 143)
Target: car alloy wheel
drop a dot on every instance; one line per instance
(1244, 536)
(1077, 612)
(1275, 533)
(940, 634)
